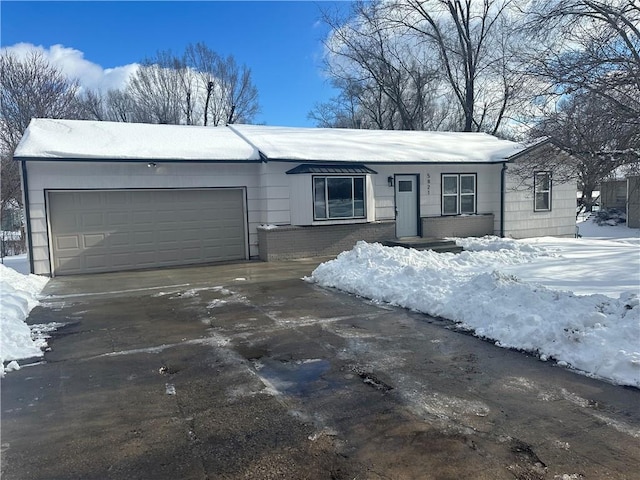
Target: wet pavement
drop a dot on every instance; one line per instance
(245, 371)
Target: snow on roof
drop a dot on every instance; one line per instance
(81, 139)
(393, 146)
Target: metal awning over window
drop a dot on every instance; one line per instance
(347, 169)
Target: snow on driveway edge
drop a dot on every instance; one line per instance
(18, 296)
(595, 334)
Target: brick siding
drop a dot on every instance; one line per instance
(457, 226)
(287, 242)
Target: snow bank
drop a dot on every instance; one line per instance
(18, 295)
(595, 334)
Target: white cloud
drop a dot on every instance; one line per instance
(72, 63)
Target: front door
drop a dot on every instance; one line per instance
(406, 187)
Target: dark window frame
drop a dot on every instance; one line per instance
(548, 191)
(326, 199)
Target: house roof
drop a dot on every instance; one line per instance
(116, 141)
(113, 141)
(376, 146)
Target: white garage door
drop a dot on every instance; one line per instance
(113, 230)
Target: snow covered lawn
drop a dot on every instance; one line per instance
(575, 301)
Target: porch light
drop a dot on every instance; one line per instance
(152, 165)
(390, 181)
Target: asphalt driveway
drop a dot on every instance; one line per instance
(244, 371)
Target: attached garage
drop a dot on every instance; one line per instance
(110, 230)
(107, 196)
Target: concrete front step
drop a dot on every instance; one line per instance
(439, 245)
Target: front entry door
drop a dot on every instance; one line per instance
(406, 187)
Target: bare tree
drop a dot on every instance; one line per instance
(590, 45)
(466, 34)
(582, 127)
(156, 90)
(230, 94)
(31, 88)
(589, 62)
(199, 87)
(435, 64)
(373, 67)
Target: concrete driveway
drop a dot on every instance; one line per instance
(246, 371)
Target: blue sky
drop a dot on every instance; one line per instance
(280, 41)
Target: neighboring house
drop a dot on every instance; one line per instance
(613, 194)
(12, 240)
(633, 201)
(102, 196)
(623, 195)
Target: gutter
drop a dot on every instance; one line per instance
(27, 213)
(503, 184)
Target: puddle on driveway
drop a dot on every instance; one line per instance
(298, 377)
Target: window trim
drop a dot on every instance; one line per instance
(458, 195)
(536, 191)
(328, 218)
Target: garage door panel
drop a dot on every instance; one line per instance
(89, 199)
(93, 240)
(118, 219)
(69, 263)
(144, 238)
(143, 217)
(121, 260)
(168, 236)
(191, 254)
(118, 239)
(95, 261)
(95, 231)
(68, 242)
(117, 198)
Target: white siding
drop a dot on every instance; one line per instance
(522, 222)
(301, 199)
(103, 175)
(273, 197)
(275, 193)
(487, 187)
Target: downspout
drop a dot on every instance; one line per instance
(503, 184)
(27, 213)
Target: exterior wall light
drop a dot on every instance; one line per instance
(152, 165)
(390, 181)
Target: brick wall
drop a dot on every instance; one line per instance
(457, 226)
(286, 243)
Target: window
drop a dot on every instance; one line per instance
(338, 197)
(458, 194)
(542, 191)
(405, 186)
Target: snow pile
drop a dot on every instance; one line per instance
(594, 333)
(18, 295)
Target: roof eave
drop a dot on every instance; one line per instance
(133, 160)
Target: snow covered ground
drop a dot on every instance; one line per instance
(18, 296)
(575, 301)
